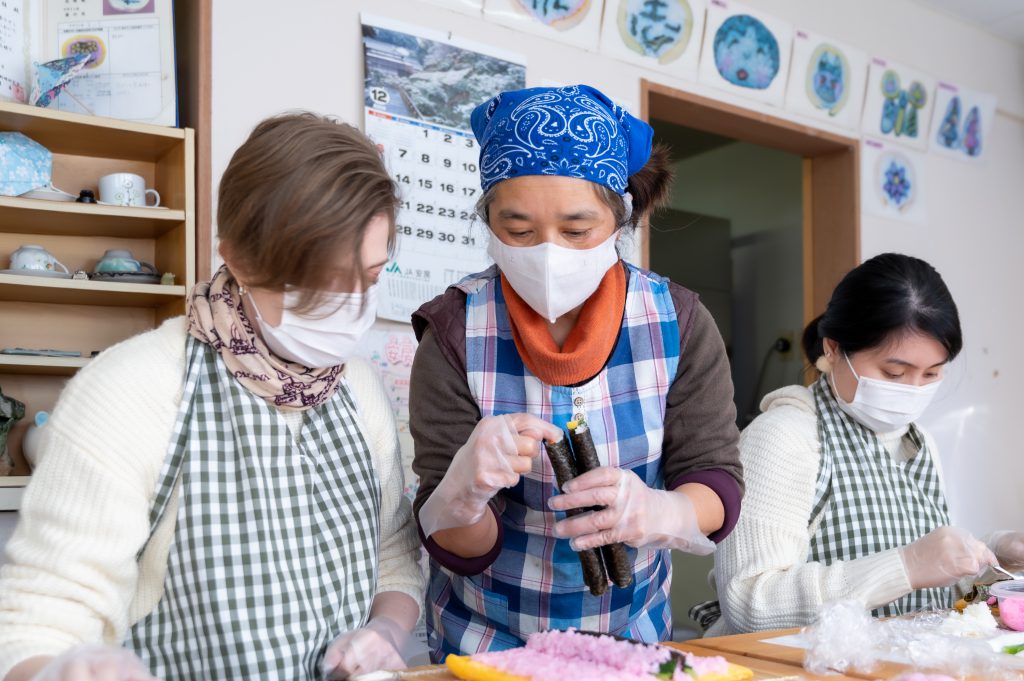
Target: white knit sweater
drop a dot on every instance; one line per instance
(72, 576)
(761, 571)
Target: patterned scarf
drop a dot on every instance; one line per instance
(216, 317)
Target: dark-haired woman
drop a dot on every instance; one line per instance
(844, 491)
(561, 329)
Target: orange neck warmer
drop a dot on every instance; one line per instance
(589, 344)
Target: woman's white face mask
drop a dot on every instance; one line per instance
(325, 337)
(885, 406)
(553, 279)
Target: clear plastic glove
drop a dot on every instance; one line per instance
(633, 513)
(943, 557)
(376, 646)
(498, 451)
(95, 663)
(1009, 548)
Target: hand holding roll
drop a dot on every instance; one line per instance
(498, 451)
(633, 513)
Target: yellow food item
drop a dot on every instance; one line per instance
(735, 673)
(468, 670)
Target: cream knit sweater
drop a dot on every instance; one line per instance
(72, 576)
(761, 571)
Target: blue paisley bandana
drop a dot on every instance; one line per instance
(572, 131)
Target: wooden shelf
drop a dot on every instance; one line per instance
(36, 216)
(27, 289)
(81, 135)
(41, 366)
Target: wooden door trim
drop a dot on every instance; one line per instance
(831, 179)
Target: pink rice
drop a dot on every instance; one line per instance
(560, 655)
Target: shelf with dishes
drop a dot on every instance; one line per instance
(101, 280)
(41, 366)
(32, 289)
(37, 216)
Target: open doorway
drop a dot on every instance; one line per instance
(763, 223)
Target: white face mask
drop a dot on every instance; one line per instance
(884, 406)
(328, 336)
(553, 279)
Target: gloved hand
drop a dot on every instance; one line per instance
(943, 557)
(634, 514)
(94, 662)
(374, 647)
(1009, 549)
(499, 449)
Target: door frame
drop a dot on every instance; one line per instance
(831, 179)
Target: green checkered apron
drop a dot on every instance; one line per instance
(868, 502)
(275, 546)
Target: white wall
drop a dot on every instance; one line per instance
(269, 56)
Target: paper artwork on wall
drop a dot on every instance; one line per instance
(570, 22)
(899, 103)
(961, 122)
(467, 6)
(892, 182)
(745, 52)
(826, 80)
(663, 35)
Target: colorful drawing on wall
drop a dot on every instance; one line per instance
(572, 22)
(656, 28)
(892, 180)
(663, 35)
(826, 80)
(746, 52)
(899, 104)
(466, 6)
(961, 122)
(895, 180)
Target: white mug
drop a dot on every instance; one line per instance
(36, 258)
(126, 189)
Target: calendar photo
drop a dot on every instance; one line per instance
(420, 89)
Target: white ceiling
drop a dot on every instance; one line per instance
(1004, 18)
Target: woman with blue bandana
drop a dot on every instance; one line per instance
(561, 330)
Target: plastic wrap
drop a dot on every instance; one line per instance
(845, 637)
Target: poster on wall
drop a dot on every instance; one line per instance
(961, 122)
(467, 6)
(420, 88)
(899, 103)
(130, 74)
(892, 181)
(826, 80)
(390, 348)
(663, 35)
(745, 52)
(570, 22)
(14, 74)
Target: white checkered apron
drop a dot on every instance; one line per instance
(275, 544)
(869, 502)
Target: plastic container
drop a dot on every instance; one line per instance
(30, 442)
(1011, 602)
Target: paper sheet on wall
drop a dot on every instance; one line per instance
(663, 35)
(962, 122)
(391, 348)
(131, 75)
(420, 89)
(892, 181)
(570, 22)
(745, 52)
(826, 79)
(898, 105)
(13, 51)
